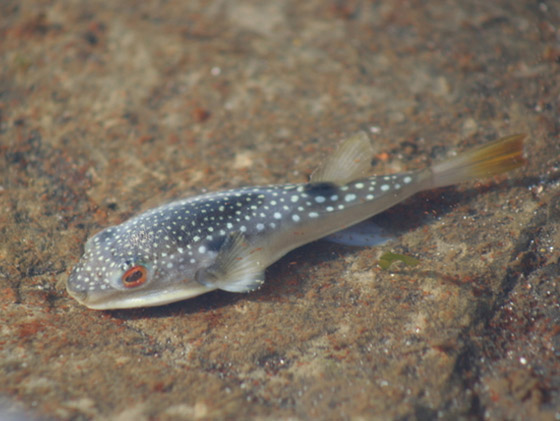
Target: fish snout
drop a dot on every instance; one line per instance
(76, 290)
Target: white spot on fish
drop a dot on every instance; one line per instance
(349, 197)
(385, 187)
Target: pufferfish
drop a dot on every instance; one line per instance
(226, 240)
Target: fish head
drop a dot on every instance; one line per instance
(124, 268)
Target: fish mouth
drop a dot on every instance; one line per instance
(79, 296)
(116, 299)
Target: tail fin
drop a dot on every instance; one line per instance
(497, 157)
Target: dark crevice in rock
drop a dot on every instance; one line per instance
(524, 260)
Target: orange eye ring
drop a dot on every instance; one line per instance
(135, 276)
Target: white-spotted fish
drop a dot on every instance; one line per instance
(226, 240)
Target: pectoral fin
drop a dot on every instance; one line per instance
(237, 268)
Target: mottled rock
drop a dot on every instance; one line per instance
(110, 108)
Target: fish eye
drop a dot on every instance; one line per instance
(135, 276)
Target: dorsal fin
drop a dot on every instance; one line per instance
(350, 161)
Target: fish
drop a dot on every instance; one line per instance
(225, 240)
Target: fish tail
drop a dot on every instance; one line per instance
(499, 156)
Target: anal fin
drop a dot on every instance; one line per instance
(238, 267)
(350, 161)
(364, 234)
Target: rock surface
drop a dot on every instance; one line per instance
(109, 108)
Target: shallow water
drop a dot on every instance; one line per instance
(111, 108)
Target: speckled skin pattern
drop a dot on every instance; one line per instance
(178, 240)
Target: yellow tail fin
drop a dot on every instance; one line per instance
(497, 157)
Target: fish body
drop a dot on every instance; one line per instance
(225, 240)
